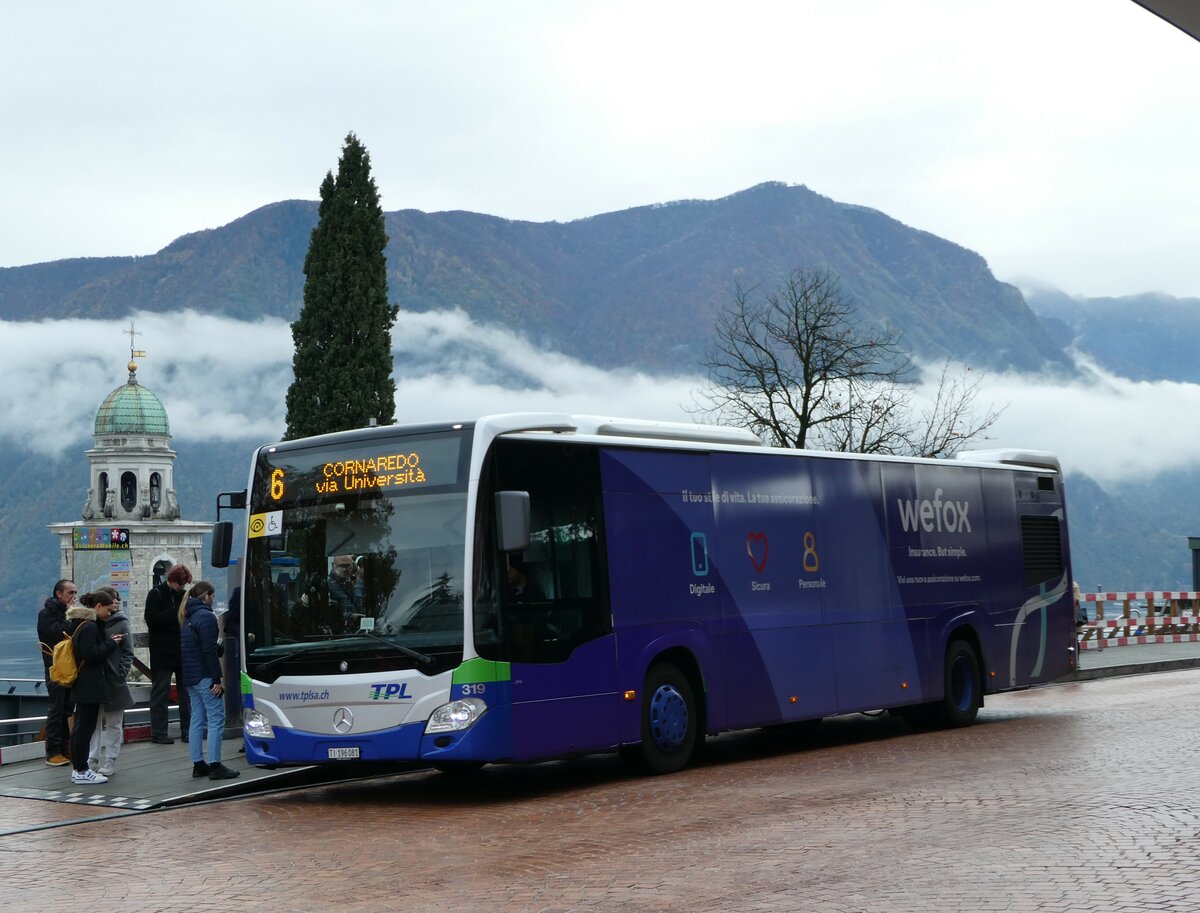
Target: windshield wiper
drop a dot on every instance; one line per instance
(423, 659)
(292, 654)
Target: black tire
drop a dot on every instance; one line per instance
(963, 694)
(670, 722)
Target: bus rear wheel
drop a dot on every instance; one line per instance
(963, 694)
(670, 722)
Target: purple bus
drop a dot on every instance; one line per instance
(536, 586)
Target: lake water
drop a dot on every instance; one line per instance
(19, 654)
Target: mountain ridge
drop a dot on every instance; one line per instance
(608, 288)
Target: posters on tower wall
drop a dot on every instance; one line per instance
(101, 558)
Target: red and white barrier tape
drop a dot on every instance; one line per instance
(1103, 643)
(1155, 596)
(1136, 621)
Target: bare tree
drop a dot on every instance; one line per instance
(795, 370)
(950, 422)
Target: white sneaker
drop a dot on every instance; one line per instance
(93, 763)
(88, 777)
(107, 769)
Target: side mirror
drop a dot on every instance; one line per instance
(512, 520)
(222, 543)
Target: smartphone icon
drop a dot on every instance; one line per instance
(699, 554)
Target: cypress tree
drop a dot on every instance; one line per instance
(342, 365)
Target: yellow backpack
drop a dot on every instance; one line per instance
(63, 668)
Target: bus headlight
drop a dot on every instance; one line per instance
(456, 716)
(256, 726)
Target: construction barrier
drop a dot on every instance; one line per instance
(1169, 618)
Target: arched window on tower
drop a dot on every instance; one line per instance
(101, 489)
(155, 491)
(128, 490)
(159, 573)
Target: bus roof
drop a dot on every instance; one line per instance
(1035, 459)
(684, 433)
(644, 432)
(607, 426)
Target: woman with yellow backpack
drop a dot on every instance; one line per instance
(90, 688)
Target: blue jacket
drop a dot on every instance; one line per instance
(198, 643)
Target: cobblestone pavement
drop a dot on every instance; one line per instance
(1076, 797)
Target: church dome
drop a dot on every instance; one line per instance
(132, 409)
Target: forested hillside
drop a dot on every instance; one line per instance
(637, 287)
(1143, 337)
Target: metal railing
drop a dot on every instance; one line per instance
(19, 696)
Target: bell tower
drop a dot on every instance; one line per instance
(130, 530)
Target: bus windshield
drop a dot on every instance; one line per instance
(355, 558)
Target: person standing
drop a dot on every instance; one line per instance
(90, 690)
(51, 628)
(109, 734)
(198, 631)
(346, 591)
(163, 605)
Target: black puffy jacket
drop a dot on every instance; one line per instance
(52, 625)
(162, 621)
(91, 655)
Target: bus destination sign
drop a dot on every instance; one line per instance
(393, 470)
(390, 471)
(286, 478)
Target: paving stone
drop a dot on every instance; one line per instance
(1076, 797)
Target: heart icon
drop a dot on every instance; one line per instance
(757, 548)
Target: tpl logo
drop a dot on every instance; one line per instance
(391, 691)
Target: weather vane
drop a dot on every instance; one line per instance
(133, 353)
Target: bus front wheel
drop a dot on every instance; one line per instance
(670, 722)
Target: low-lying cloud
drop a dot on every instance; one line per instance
(224, 380)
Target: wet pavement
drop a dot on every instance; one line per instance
(1137, 659)
(151, 776)
(1083, 795)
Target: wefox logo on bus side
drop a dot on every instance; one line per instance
(936, 515)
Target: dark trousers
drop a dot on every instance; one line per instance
(160, 698)
(81, 733)
(58, 734)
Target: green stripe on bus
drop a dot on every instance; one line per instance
(474, 671)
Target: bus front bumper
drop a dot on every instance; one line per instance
(489, 739)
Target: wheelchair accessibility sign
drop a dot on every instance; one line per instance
(268, 524)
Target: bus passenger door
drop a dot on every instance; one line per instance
(555, 622)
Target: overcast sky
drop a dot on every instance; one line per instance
(1058, 138)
